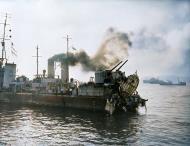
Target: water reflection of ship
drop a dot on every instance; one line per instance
(112, 127)
(71, 124)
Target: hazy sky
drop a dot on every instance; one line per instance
(159, 30)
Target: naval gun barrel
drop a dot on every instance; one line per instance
(121, 65)
(116, 66)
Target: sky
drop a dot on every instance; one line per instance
(159, 32)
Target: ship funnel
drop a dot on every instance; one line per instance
(64, 72)
(51, 72)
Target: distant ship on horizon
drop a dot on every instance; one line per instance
(152, 81)
(162, 82)
(180, 83)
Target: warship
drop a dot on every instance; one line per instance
(152, 81)
(109, 90)
(162, 82)
(179, 83)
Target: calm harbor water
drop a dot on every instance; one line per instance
(166, 122)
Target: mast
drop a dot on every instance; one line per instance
(67, 60)
(3, 39)
(3, 42)
(37, 61)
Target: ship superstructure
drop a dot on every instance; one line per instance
(7, 69)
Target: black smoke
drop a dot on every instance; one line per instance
(113, 48)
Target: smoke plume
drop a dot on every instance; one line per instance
(113, 49)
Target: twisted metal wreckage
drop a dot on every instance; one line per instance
(123, 95)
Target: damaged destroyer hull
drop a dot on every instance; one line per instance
(81, 102)
(111, 91)
(92, 103)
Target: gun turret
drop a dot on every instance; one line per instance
(121, 65)
(116, 66)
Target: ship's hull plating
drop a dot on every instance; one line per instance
(81, 102)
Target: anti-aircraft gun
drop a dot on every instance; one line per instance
(122, 65)
(119, 75)
(109, 76)
(116, 66)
